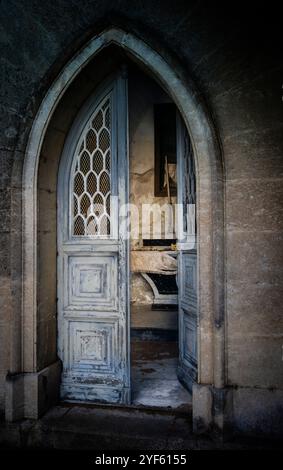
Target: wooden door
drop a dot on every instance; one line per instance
(93, 310)
(187, 258)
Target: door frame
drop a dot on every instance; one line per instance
(210, 209)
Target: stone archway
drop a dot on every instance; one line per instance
(210, 219)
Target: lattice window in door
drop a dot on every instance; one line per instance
(92, 176)
(190, 176)
(189, 193)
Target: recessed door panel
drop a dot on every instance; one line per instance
(93, 345)
(91, 282)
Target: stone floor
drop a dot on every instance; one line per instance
(154, 376)
(154, 354)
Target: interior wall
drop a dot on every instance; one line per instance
(144, 92)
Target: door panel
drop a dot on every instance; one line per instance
(91, 282)
(187, 260)
(93, 324)
(189, 281)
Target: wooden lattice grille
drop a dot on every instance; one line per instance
(92, 176)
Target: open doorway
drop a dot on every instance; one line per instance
(100, 326)
(154, 197)
(94, 362)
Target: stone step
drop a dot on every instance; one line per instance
(98, 429)
(142, 316)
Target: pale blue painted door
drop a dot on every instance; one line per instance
(187, 258)
(93, 310)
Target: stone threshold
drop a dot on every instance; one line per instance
(96, 428)
(182, 411)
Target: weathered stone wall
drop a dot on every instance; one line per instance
(234, 59)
